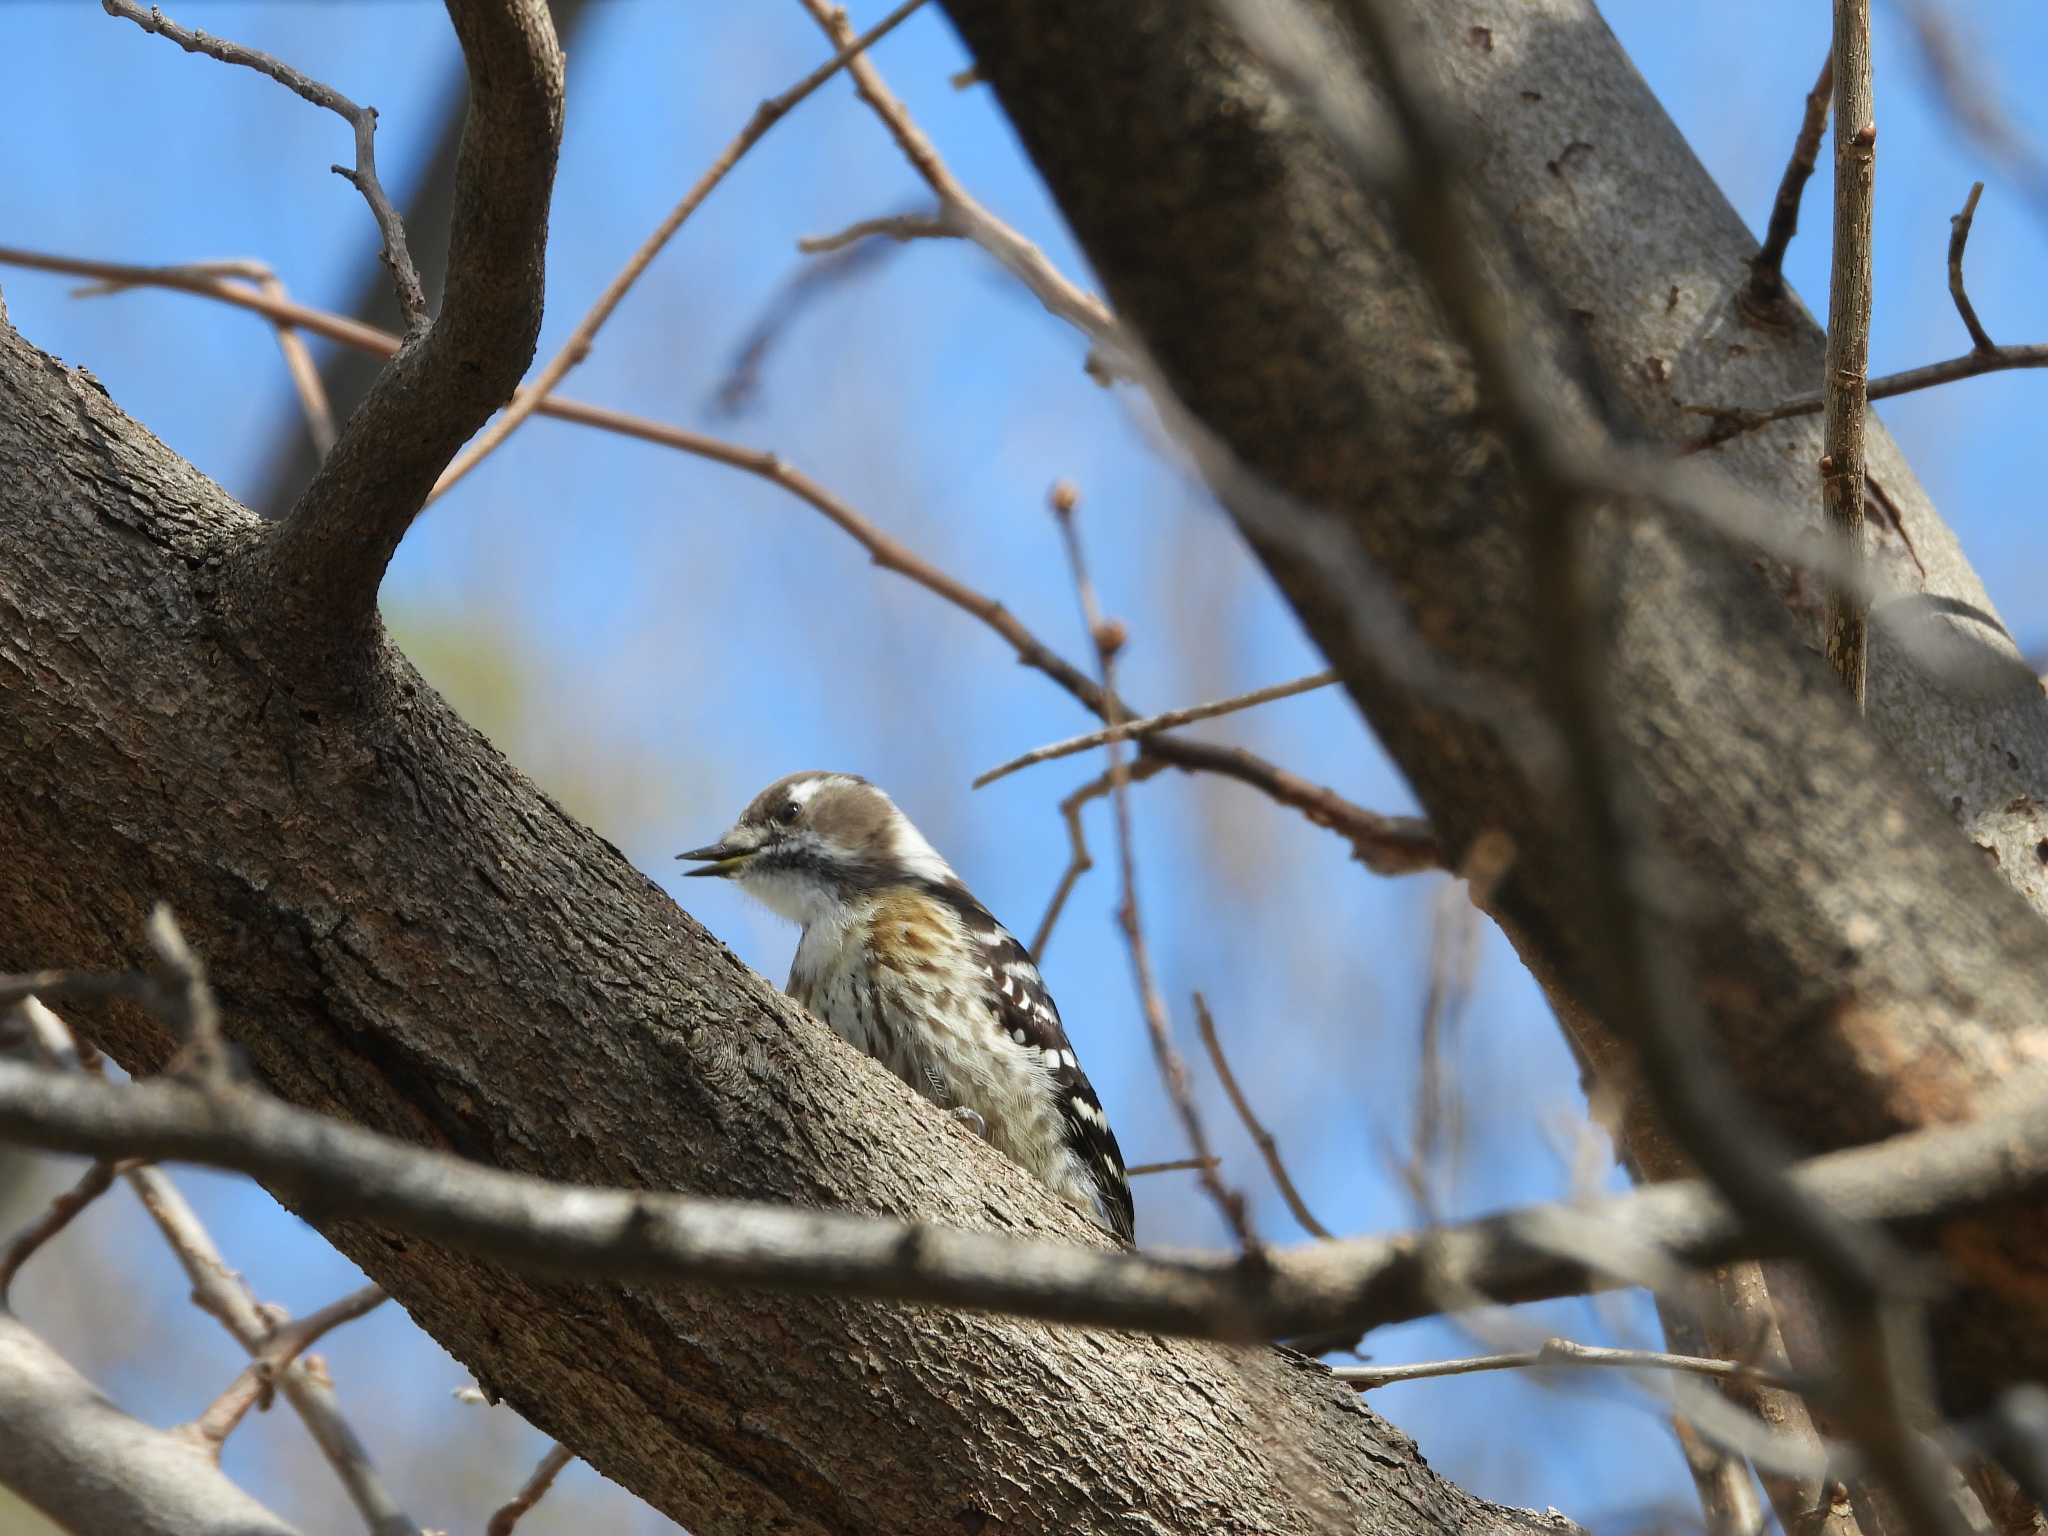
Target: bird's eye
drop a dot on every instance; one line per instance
(788, 812)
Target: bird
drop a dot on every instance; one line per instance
(901, 961)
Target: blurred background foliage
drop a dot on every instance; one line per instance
(652, 637)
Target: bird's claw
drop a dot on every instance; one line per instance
(971, 1119)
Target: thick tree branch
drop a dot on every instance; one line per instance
(90, 1467)
(310, 582)
(1335, 382)
(1387, 845)
(577, 347)
(349, 874)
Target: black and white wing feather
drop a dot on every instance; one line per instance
(1026, 1012)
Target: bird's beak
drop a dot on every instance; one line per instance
(723, 859)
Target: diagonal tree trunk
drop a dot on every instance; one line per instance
(1865, 968)
(405, 933)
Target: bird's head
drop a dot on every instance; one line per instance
(811, 843)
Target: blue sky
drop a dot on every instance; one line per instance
(654, 637)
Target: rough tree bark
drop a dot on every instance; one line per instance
(403, 932)
(1865, 966)
(406, 934)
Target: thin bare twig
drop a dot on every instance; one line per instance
(894, 226)
(1368, 1378)
(77, 984)
(535, 1489)
(1387, 845)
(577, 347)
(257, 1380)
(1453, 966)
(1262, 1138)
(1639, 983)
(1079, 860)
(1151, 725)
(187, 999)
(53, 1041)
(1108, 636)
(1842, 465)
(963, 216)
(1732, 421)
(93, 1183)
(799, 288)
(218, 1291)
(1765, 292)
(1958, 238)
(1176, 1165)
(412, 298)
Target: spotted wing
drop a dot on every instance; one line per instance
(1026, 1012)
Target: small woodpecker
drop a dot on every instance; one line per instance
(900, 960)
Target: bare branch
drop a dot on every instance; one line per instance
(80, 1460)
(535, 1489)
(895, 226)
(187, 999)
(1367, 1378)
(1766, 290)
(1079, 860)
(258, 1379)
(1958, 238)
(1731, 421)
(1177, 1165)
(93, 1183)
(1842, 466)
(1637, 982)
(1151, 725)
(52, 1040)
(1453, 965)
(311, 581)
(1108, 636)
(1734, 1316)
(216, 1289)
(1352, 1283)
(412, 298)
(1387, 845)
(577, 347)
(961, 215)
(1261, 1137)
